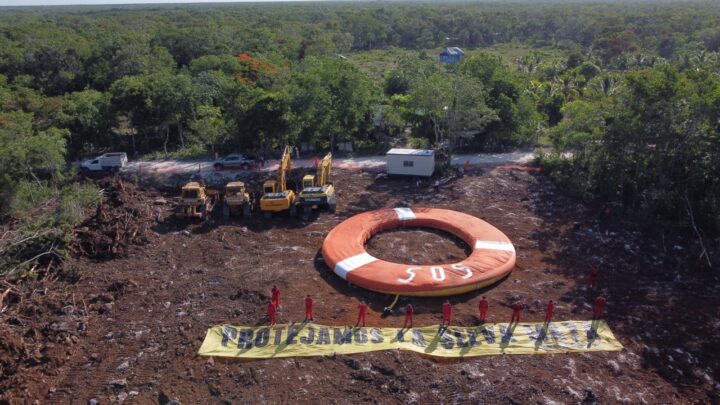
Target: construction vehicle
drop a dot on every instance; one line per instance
(197, 201)
(276, 196)
(236, 200)
(318, 191)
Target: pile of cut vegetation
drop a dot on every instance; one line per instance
(122, 219)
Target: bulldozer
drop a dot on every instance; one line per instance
(318, 191)
(237, 200)
(276, 196)
(197, 201)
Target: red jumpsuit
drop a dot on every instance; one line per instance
(516, 313)
(408, 316)
(447, 313)
(362, 310)
(593, 274)
(276, 296)
(483, 305)
(308, 308)
(599, 307)
(549, 311)
(272, 313)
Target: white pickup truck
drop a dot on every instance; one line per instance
(106, 162)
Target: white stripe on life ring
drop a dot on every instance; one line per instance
(351, 263)
(488, 244)
(405, 214)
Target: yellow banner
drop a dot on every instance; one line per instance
(309, 339)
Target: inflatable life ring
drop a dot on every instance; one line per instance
(492, 258)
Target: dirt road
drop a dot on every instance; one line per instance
(205, 168)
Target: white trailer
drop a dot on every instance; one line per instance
(410, 162)
(105, 162)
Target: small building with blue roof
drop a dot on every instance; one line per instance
(451, 54)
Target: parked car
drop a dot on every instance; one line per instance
(106, 162)
(236, 160)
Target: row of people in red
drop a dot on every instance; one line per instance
(274, 305)
(483, 305)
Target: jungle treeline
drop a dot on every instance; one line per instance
(625, 97)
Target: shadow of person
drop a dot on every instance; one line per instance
(592, 332)
(507, 336)
(400, 335)
(292, 333)
(542, 335)
(472, 335)
(434, 342)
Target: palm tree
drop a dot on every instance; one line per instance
(605, 85)
(569, 86)
(529, 63)
(703, 57)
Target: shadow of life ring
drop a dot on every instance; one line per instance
(492, 258)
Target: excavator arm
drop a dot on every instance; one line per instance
(323, 170)
(277, 196)
(285, 166)
(317, 190)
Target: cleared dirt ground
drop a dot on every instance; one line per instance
(124, 319)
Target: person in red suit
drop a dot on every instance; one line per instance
(272, 313)
(549, 311)
(516, 312)
(599, 309)
(483, 306)
(447, 313)
(362, 311)
(593, 275)
(408, 316)
(276, 296)
(308, 308)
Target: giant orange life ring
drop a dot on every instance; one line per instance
(492, 258)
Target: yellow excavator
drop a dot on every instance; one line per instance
(318, 191)
(276, 196)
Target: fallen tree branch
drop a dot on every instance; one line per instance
(5, 294)
(50, 251)
(38, 234)
(697, 231)
(8, 290)
(6, 234)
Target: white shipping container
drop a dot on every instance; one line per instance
(410, 162)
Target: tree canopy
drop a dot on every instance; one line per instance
(624, 96)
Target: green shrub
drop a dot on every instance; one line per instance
(47, 216)
(419, 143)
(27, 196)
(75, 198)
(192, 152)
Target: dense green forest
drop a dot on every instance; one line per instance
(625, 97)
